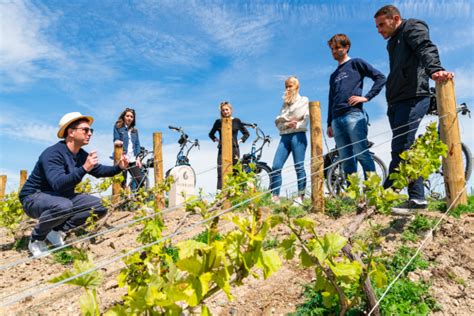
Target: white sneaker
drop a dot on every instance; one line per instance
(56, 238)
(298, 201)
(276, 199)
(38, 248)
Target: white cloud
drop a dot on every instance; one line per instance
(23, 45)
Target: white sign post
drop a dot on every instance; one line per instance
(183, 187)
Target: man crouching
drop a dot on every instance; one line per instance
(48, 194)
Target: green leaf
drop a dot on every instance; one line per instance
(378, 274)
(305, 222)
(305, 258)
(188, 247)
(205, 311)
(334, 243)
(117, 310)
(275, 220)
(271, 262)
(191, 265)
(287, 247)
(90, 280)
(87, 304)
(348, 269)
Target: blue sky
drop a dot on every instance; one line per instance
(175, 61)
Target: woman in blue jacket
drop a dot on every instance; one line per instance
(126, 135)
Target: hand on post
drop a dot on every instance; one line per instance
(442, 75)
(118, 143)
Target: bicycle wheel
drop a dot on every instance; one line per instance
(336, 178)
(263, 176)
(435, 183)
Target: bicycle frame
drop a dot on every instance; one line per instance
(181, 157)
(256, 153)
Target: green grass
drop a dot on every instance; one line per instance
(21, 244)
(440, 206)
(64, 256)
(401, 257)
(409, 236)
(293, 211)
(464, 209)
(270, 243)
(420, 224)
(313, 305)
(204, 236)
(172, 251)
(407, 298)
(338, 206)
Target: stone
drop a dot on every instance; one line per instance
(412, 276)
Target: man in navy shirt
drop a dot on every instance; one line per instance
(48, 194)
(347, 121)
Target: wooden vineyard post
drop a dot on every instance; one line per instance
(453, 166)
(226, 154)
(317, 161)
(3, 184)
(23, 176)
(158, 167)
(116, 186)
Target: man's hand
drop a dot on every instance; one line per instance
(123, 162)
(441, 76)
(139, 163)
(355, 99)
(118, 143)
(91, 161)
(329, 132)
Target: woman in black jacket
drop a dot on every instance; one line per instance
(226, 111)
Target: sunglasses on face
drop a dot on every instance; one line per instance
(86, 129)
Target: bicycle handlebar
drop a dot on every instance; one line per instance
(252, 125)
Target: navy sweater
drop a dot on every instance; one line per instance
(348, 80)
(58, 170)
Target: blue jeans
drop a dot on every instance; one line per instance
(60, 213)
(409, 113)
(289, 143)
(352, 128)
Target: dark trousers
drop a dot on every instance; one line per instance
(60, 213)
(137, 176)
(404, 118)
(235, 159)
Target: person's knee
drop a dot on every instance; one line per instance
(100, 211)
(63, 206)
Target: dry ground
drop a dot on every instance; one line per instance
(450, 250)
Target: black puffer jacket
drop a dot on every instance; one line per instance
(413, 59)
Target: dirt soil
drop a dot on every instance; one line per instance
(450, 250)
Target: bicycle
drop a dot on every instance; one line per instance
(435, 183)
(133, 184)
(336, 179)
(182, 173)
(248, 160)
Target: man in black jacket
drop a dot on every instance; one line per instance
(413, 60)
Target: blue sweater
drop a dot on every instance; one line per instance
(58, 170)
(348, 80)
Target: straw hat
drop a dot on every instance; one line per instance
(69, 118)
